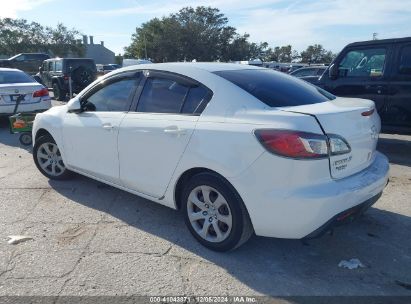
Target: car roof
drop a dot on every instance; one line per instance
(51, 59)
(181, 66)
(380, 41)
(10, 70)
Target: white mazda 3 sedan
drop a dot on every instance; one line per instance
(239, 149)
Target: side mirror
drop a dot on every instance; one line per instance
(74, 106)
(333, 71)
(40, 69)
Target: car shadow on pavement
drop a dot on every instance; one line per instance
(380, 240)
(397, 150)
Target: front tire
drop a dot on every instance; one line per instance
(215, 213)
(48, 160)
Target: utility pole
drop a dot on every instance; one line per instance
(374, 36)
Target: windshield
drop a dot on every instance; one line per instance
(276, 89)
(7, 77)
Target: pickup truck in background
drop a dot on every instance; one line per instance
(26, 62)
(379, 70)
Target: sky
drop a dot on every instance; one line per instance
(332, 23)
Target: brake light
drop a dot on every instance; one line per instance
(368, 113)
(41, 93)
(294, 144)
(302, 145)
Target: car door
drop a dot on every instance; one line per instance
(398, 106)
(153, 138)
(362, 74)
(90, 137)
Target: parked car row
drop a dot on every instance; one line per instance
(379, 70)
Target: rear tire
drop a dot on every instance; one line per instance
(59, 93)
(215, 213)
(48, 160)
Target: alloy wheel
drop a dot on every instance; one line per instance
(209, 214)
(50, 160)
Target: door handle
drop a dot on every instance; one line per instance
(174, 130)
(107, 126)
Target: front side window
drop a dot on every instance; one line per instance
(405, 60)
(59, 66)
(363, 63)
(164, 95)
(114, 97)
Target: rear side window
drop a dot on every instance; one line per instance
(166, 95)
(276, 89)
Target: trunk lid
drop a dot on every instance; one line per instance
(10, 92)
(344, 117)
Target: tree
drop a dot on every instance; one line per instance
(20, 36)
(316, 54)
(200, 33)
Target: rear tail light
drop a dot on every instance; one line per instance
(41, 93)
(338, 145)
(301, 145)
(293, 144)
(368, 113)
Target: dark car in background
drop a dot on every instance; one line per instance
(310, 72)
(103, 69)
(379, 70)
(27, 62)
(55, 73)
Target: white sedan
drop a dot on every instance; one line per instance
(239, 149)
(14, 84)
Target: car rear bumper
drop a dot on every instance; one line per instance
(7, 110)
(304, 211)
(344, 217)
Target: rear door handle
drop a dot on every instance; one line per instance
(175, 130)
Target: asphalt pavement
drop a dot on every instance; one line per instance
(91, 239)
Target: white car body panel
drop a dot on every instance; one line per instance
(284, 197)
(155, 143)
(90, 143)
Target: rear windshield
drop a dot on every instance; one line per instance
(7, 77)
(276, 89)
